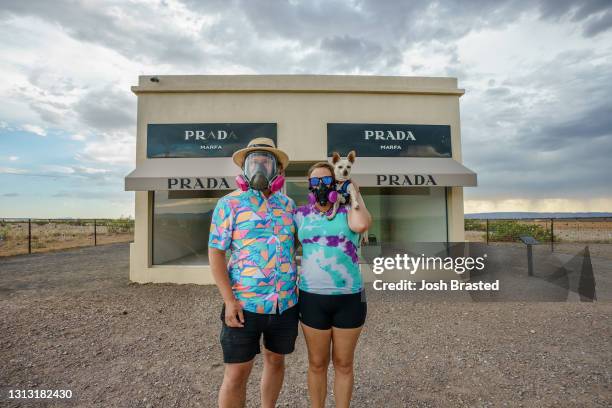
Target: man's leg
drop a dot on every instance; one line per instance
(272, 377)
(279, 339)
(240, 345)
(318, 342)
(233, 390)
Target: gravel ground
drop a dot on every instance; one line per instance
(71, 320)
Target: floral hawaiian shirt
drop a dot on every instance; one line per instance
(259, 232)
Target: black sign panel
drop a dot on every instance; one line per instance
(203, 139)
(389, 140)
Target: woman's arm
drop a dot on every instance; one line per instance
(359, 220)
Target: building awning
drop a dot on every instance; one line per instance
(216, 173)
(219, 173)
(411, 172)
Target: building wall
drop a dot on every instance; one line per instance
(301, 106)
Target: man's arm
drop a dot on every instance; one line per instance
(234, 316)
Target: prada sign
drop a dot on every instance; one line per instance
(184, 140)
(198, 183)
(389, 140)
(405, 180)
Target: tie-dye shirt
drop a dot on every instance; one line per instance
(260, 235)
(329, 262)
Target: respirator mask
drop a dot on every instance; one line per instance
(260, 172)
(322, 190)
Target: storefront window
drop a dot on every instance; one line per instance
(181, 223)
(297, 189)
(399, 215)
(402, 216)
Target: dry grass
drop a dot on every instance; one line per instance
(596, 249)
(54, 235)
(566, 230)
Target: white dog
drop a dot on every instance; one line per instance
(344, 187)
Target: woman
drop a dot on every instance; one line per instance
(331, 299)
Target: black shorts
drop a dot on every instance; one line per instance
(241, 344)
(324, 311)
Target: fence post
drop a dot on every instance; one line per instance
(95, 234)
(487, 231)
(529, 260)
(29, 235)
(552, 235)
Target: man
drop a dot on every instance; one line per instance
(258, 283)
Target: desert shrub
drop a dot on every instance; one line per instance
(511, 230)
(471, 224)
(4, 231)
(73, 222)
(37, 243)
(120, 226)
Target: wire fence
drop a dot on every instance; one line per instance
(26, 236)
(556, 233)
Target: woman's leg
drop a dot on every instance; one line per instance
(344, 342)
(318, 343)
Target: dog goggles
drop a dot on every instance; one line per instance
(315, 181)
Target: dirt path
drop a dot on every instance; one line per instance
(71, 320)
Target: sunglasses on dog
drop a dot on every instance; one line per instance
(315, 181)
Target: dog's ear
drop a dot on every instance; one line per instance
(351, 156)
(335, 157)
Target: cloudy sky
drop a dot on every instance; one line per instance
(536, 116)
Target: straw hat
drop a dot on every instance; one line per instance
(261, 144)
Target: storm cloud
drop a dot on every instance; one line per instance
(536, 116)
